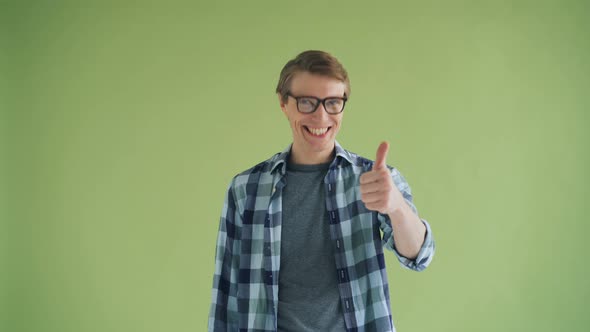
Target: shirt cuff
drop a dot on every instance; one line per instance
(424, 255)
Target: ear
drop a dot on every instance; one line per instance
(282, 104)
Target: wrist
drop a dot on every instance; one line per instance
(401, 213)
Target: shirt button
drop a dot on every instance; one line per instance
(348, 306)
(342, 275)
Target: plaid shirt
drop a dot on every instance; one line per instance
(246, 279)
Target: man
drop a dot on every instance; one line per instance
(301, 235)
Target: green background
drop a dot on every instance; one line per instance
(122, 125)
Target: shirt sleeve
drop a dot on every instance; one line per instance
(427, 250)
(223, 315)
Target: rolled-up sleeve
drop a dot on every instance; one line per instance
(426, 252)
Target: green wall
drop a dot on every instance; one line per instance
(122, 125)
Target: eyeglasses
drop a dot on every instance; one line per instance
(308, 104)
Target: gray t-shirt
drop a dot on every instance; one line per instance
(308, 284)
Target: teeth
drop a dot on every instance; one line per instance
(318, 131)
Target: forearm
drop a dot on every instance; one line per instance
(408, 231)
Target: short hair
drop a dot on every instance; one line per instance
(314, 62)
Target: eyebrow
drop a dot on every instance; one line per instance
(330, 96)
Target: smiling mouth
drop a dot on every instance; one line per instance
(319, 132)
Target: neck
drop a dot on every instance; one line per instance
(299, 156)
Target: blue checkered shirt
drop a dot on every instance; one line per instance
(247, 258)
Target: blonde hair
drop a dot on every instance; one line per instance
(314, 62)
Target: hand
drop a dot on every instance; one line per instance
(378, 191)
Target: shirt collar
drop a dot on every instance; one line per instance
(281, 158)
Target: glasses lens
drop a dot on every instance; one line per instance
(334, 105)
(306, 105)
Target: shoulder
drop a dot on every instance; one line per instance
(255, 173)
(363, 164)
(355, 161)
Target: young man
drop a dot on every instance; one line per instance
(301, 235)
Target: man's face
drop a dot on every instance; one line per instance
(313, 133)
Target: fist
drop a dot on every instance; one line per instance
(378, 191)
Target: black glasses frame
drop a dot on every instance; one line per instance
(319, 101)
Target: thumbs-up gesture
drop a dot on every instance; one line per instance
(378, 191)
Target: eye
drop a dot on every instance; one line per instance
(306, 102)
(333, 102)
